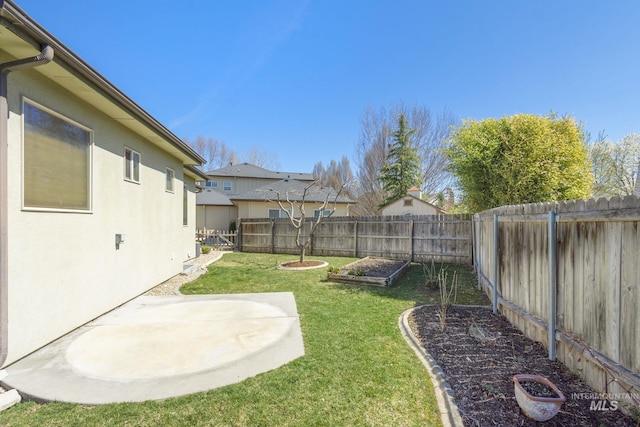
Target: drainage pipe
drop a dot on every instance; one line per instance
(45, 56)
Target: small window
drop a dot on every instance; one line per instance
(185, 205)
(277, 213)
(226, 186)
(212, 184)
(56, 161)
(408, 202)
(131, 165)
(170, 178)
(325, 213)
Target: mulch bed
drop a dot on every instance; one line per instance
(303, 264)
(480, 353)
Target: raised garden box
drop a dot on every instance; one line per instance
(371, 271)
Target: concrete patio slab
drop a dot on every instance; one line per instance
(156, 347)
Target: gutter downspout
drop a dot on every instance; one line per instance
(44, 57)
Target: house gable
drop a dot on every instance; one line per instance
(410, 205)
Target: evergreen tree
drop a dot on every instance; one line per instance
(402, 168)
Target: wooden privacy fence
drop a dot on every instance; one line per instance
(442, 238)
(567, 275)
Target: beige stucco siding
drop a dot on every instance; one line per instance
(215, 217)
(65, 268)
(254, 209)
(416, 208)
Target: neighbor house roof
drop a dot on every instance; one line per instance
(247, 170)
(294, 190)
(25, 38)
(212, 197)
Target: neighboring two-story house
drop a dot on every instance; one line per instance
(244, 190)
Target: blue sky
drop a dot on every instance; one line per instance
(292, 78)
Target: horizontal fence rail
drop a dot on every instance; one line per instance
(442, 238)
(221, 239)
(567, 274)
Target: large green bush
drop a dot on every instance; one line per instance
(519, 159)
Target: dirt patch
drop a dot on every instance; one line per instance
(480, 353)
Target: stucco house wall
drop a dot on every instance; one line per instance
(410, 205)
(215, 217)
(63, 267)
(260, 209)
(217, 212)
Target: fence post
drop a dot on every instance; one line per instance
(478, 239)
(496, 277)
(239, 235)
(552, 285)
(355, 238)
(411, 238)
(273, 239)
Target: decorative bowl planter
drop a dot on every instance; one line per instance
(537, 407)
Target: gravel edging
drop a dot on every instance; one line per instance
(449, 412)
(173, 285)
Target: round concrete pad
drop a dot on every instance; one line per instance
(156, 347)
(204, 335)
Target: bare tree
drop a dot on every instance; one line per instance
(372, 149)
(335, 175)
(218, 154)
(215, 152)
(616, 165)
(261, 158)
(293, 203)
(372, 154)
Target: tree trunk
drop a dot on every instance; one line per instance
(302, 249)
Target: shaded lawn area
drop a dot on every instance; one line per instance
(357, 368)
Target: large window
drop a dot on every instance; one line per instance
(211, 184)
(56, 160)
(131, 165)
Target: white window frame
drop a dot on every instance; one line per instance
(89, 208)
(132, 163)
(170, 178)
(281, 213)
(211, 184)
(325, 213)
(227, 186)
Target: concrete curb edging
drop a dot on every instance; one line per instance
(449, 412)
(9, 397)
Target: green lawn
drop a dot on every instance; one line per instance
(357, 368)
